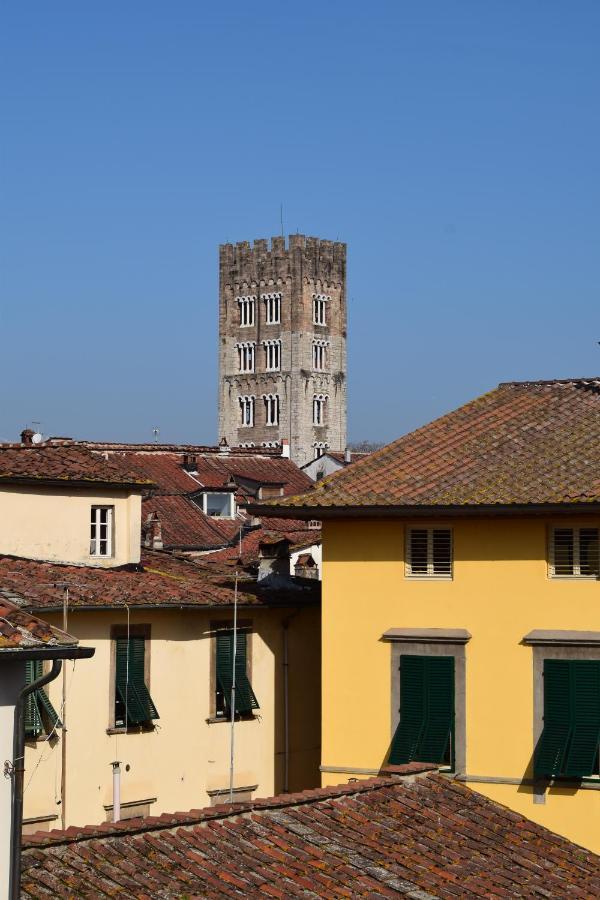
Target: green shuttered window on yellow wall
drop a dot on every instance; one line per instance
(569, 743)
(40, 715)
(245, 700)
(426, 727)
(133, 703)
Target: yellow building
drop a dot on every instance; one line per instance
(158, 694)
(461, 603)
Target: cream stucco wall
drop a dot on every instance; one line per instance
(500, 591)
(12, 680)
(42, 522)
(184, 756)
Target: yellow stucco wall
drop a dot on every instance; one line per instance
(184, 756)
(499, 592)
(54, 524)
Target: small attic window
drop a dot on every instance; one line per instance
(219, 504)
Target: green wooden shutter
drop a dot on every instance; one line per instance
(245, 699)
(439, 717)
(33, 720)
(412, 710)
(551, 749)
(133, 705)
(426, 709)
(585, 718)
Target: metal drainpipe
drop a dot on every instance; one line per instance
(18, 772)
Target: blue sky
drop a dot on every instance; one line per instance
(455, 146)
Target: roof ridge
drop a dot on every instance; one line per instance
(77, 834)
(539, 381)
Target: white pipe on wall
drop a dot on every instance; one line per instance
(116, 790)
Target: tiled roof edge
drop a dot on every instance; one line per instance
(75, 834)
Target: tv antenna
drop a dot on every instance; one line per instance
(156, 432)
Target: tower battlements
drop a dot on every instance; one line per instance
(265, 261)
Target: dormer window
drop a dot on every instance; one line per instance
(219, 504)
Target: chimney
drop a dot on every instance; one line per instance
(273, 558)
(27, 436)
(223, 446)
(285, 448)
(153, 532)
(190, 462)
(347, 455)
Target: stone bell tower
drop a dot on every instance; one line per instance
(282, 345)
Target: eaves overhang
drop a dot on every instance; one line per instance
(54, 652)
(432, 511)
(138, 486)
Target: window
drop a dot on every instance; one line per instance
(319, 409)
(429, 553)
(320, 447)
(101, 531)
(320, 355)
(272, 355)
(245, 701)
(246, 411)
(271, 409)
(246, 305)
(319, 305)
(246, 356)
(574, 553)
(425, 732)
(133, 703)
(272, 308)
(219, 504)
(569, 743)
(40, 715)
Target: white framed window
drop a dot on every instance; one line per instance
(320, 447)
(272, 308)
(320, 302)
(246, 411)
(101, 531)
(319, 354)
(429, 553)
(219, 504)
(246, 356)
(574, 552)
(271, 409)
(319, 401)
(272, 355)
(246, 305)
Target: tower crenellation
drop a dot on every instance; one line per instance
(282, 344)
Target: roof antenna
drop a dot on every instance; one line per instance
(156, 432)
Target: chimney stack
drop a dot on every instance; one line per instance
(223, 446)
(347, 455)
(285, 448)
(190, 462)
(153, 532)
(27, 436)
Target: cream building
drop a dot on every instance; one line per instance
(157, 696)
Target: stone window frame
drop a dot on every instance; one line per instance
(247, 411)
(272, 355)
(246, 356)
(215, 626)
(247, 306)
(272, 409)
(124, 631)
(549, 644)
(272, 307)
(319, 308)
(319, 407)
(433, 642)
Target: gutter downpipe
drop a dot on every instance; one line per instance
(18, 772)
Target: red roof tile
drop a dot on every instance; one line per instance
(161, 580)
(19, 630)
(427, 838)
(185, 526)
(521, 444)
(48, 463)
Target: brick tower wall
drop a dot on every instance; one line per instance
(299, 269)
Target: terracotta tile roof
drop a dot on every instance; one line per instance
(19, 630)
(49, 463)
(185, 526)
(161, 580)
(340, 456)
(521, 444)
(295, 531)
(381, 838)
